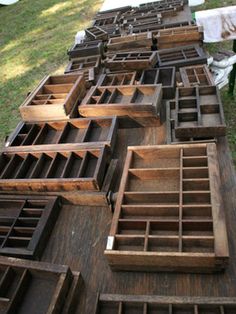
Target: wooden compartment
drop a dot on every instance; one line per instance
(154, 28)
(162, 5)
(181, 56)
(152, 304)
(96, 33)
(133, 101)
(169, 213)
(86, 66)
(104, 20)
(114, 79)
(68, 134)
(196, 76)
(170, 129)
(26, 223)
(54, 98)
(131, 60)
(133, 42)
(198, 112)
(37, 287)
(64, 170)
(181, 36)
(82, 50)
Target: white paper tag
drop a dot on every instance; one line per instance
(110, 242)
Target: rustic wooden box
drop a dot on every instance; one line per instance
(169, 214)
(82, 66)
(154, 28)
(163, 5)
(103, 20)
(65, 135)
(143, 41)
(54, 98)
(26, 223)
(152, 304)
(91, 48)
(37, 287)
(181, 56)
(133, 101)
(54, 171)
(198, 112)
(198, 75)
(131, 61)
(181, 36)
(96, 33)
(164, 76)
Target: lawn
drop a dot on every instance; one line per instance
(34, 37)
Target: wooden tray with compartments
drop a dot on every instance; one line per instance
(198, 75)
(82, 50)
(134, 42)
(37, 287)
(152, 304)
(96, 33)
(63, 135)
(181, 56)
(181, 36)
(87, 66)
(135, 19)
(163, 5)
(169, 214)
(103, 20)
(154, 28)
(131, 60)
(54, 171)
(26, 223)
(134, 101)
(198, 112)
(54, 98)
(170, 131)
(164, 76)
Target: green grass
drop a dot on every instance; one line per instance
(34, 37)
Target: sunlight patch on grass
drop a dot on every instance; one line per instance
(55, 8)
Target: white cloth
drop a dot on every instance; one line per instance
(111, 4)
(218, 24)
(8, 2)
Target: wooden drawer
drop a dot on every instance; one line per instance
(169, 214)
(162, 5)
(131, 61)
(91, 48)
(53, 170)
(154, 28)
(164, 76)
(141, 41)
(103, 20)
(151, 304)
(182, 56)
(198, 75)
(96, 33)
(37, 287)
(26, 223)
(198, 112)
(64, 135)
(132, 101)
(181, 36)
(54, 98)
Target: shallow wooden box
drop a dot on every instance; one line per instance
(198, 75)
(37, 287)
(63, 135)
(26, 223)
(131, 60)
(91, 48)
(53, 171)
(169, 214)
(133, 101)
(54, 98)
(153, 304)
(198, 112)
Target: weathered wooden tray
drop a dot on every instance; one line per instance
(36, 287)
(54, 98)
(198, 75)
(131, 61)
(134, 101)
(154, 28)
(90, 48)
(151, 304)
(26, 223)
(169, 214)
(87, 66)
(181, 56)
(64, 170)
(96, 33)
(63, 135)
(198, 112)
